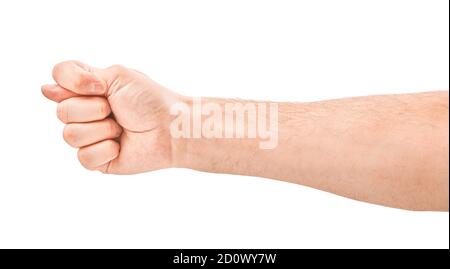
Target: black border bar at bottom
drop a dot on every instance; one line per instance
(209, 258)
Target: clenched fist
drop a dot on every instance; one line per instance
(117, 117)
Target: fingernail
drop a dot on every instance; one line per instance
(95, 87)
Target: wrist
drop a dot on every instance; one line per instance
(221, 135)
(189, 148)
(179, 144)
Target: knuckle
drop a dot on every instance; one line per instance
(118, 69)
(84, 159)
(62, 113)
(70, 135)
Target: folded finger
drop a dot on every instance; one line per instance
(97, 155)
(83, 134)
(83, 109)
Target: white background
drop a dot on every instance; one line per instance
(275, 50)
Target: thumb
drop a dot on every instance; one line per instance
(79, 78)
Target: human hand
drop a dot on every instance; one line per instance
(117, 117)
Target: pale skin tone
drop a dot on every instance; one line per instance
(391, 150)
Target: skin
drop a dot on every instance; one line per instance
(391, 150)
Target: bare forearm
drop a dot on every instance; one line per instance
(390, 150)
